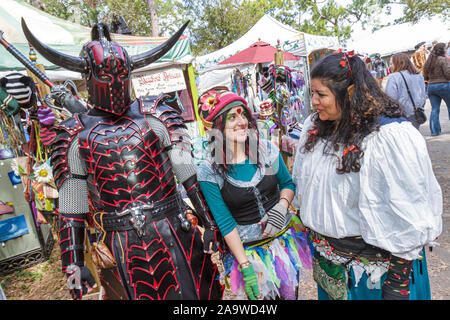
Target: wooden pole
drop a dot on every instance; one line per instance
(279, 61)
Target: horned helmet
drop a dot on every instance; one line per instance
(105, 65)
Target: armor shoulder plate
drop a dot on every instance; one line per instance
(48, 134)
(72, 125)
(65, 132)
(166, 109)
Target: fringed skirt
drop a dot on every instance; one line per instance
(279, 262)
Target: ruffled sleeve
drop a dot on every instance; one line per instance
(299, 155)
(400, 201)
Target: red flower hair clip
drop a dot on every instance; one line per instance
(313, 132)
(352, 148)
(345, 62)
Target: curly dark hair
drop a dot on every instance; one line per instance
(361, 101)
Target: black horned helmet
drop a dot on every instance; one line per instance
(105, 65)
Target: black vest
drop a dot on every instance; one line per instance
(244, 202)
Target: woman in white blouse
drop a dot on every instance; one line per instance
(365, 188)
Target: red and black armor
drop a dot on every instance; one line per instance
(129, 177)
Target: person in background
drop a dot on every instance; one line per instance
(432, 46)
(419, 57)
(380, 69)
(249, 190)
(404, 71)
(365, 188)
(437, 73)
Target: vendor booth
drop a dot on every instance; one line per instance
(278, 92)
(308, 48)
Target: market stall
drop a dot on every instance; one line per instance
(266, 83)
(212, 72)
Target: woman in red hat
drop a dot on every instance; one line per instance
(249, 190)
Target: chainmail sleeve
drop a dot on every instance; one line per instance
(179, 149)
(73, 194)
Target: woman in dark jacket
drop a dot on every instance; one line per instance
(437, 72)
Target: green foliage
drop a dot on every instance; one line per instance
(134, 12)
(217, 23)
(331, 18)
(77, 11)
(414, 10)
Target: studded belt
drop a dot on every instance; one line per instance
(138, 216)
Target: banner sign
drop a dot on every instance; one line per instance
(155, 82)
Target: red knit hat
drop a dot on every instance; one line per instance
(216, 101)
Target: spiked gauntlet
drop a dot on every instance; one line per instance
(212, 236)
(71, 235)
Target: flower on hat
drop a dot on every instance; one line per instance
(208, 102)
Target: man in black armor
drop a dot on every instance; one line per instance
(119, 160)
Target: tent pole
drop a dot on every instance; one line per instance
(194, 93)
(279, 61)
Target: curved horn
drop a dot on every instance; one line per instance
(77, 64)
(145, 58)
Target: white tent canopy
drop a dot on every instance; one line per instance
(303, 44)
(401, 37)
(267, 29)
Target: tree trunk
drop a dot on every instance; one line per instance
(153, 18)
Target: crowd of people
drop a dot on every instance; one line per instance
(426, 74)
(359, 208)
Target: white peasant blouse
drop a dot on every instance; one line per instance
(394, 202)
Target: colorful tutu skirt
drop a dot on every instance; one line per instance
(279, 262)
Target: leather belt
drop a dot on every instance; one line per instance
(353, 247)
(137, 217)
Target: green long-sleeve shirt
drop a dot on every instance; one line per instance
(244, 172)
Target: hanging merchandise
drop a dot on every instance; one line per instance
(6, 152)
(13, 228)
(33, 170)
(240, 83)
(7, 102)
(42, 176)
(265, 83)
(15, 179)
(266, 108)
(281, 74)
(46, 115)
(10, 135)
(6, 207)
